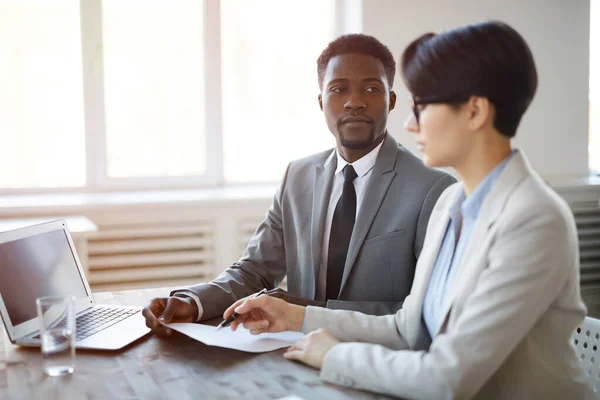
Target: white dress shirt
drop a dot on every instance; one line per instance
(363, 168)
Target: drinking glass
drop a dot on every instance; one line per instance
(56, 316)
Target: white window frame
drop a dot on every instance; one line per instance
(348, 18)
(95, 117)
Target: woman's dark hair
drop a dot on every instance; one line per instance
(488, 59)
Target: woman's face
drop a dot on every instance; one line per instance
(442, 134)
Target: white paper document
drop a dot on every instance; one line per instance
(241, 339)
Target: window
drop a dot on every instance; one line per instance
(594, 143)
(269, 80)
(41, 106)
(126, 94)
(154, 88)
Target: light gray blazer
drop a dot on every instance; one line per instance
(507, 324)
(386, 241)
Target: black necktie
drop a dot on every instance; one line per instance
(341, 231)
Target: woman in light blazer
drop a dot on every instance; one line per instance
(496, 293)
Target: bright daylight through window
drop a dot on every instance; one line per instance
(166, 109)
(41, 95)
(269, 81)
(154, 88)
(155, 114)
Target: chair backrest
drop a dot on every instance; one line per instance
(586, 339)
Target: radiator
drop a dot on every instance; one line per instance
(127, 256)
(588, 228)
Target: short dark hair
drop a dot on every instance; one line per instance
(357, 43)
(488, 59)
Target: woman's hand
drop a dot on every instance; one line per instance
(312, 348)
(266, 314)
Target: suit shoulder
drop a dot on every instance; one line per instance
(533, 199)
(533, 208)
(310, 161)
(299, 174)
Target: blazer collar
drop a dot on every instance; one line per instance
(517, 169)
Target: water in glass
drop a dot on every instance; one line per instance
(58, 351)
(56, 316)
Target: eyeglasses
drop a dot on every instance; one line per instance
(415, 103)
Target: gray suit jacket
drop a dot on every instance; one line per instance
(506, 327)
(385, 244)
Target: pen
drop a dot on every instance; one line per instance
(233, 316)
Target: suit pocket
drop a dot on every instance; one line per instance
(400, 232)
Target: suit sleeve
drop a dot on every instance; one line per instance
(366, 307)
(529, 263)
(351, 326)
(263, 265)
(432, 197)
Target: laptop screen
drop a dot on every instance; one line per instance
(35, 266)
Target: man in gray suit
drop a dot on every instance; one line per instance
(347, 225)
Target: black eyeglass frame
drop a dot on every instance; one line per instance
(415, 103)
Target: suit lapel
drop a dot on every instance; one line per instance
(321, 194)
(381, 177)
(515, 171)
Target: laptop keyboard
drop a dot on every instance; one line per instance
(99, 319)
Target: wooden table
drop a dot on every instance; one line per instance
(175, 368)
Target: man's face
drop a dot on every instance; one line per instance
(356, 100)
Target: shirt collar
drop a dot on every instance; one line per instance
(469, 206)
(362, 165)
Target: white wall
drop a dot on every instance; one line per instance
(554, 131)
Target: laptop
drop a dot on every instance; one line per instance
(41, 260)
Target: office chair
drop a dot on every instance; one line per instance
(586, 339)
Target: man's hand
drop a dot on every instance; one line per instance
(283, 295)
(266, 314)
(312, 348)
(169, 309)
